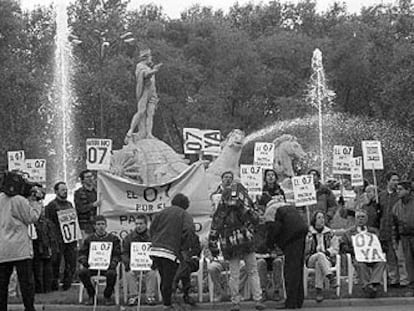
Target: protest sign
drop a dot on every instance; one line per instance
(367, 248)
(357, 178)
(197, 141)
(211, 142)
(98, 153)
(15, 160)
(304, 190)
(140, 259)
(251, 177)
(342, 160)
(372, 152)
(100, 255)
(36, 169)
(69, 226)
(264, 154)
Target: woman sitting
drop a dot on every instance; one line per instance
(320, 252)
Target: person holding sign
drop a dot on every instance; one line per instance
(67, 251)
(370, 267)
(226, 181)
(85, 274)
(140, 234)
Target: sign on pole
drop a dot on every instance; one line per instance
(251, 177)
(36, 169)
(211, 142)
(372, 152)
(15, 160)
(367, 248)
(342, 160)
(357, 178)
(140, 259)
(304, 190)
(98, 153)
(197, 141)
(264, 154)
(69, 225)
(100, 255)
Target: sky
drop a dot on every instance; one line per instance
(173, 8)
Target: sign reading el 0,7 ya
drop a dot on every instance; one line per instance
(98, 153)
(15, 160)
(36, 169)
(304, 190)
(140, 259)
(99, 255)
(367, 248)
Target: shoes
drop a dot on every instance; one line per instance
(235, 307)
(260, 306)
(151, 301)
(89, 302)
(319, 296)
(332, 281)
(281, 306)
(169, 308)
(189, 300)
(108, 301)
(409, 293)
(371, 291)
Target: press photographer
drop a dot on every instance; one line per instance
(19, 207)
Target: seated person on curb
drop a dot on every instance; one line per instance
(369, 273)
(85, 274)
(140, 234)
(320, 253)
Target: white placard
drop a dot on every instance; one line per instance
(357, 177)
(251, 176)
(31, 230)
(15, 160)
(372, 152)
(304, 190)
(100, 255)
(98, 153)
(211, 142)
(69, 225)
(264, 154)
(36, 169)
(342, 158)
(140, 259)
(367, 248)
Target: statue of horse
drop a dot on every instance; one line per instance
(287, 149)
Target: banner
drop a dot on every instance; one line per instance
(372, 152)
(69, 225)
(99, 255)
(342, 158)
(122, 199)
(140, 259)
(304, 190)
(357, 178)
(367, 248)
(264, 154)
(251, 176)
(36, 169)
(15, 160)
(98, 153)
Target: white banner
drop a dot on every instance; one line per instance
(367, 248)
(264, 154)
(357, 178)
(251, 176)
(122, 199)
(304, 190)
(342, 158)
(69, 225)
(36, 169)
(15, 160)
(100, 255)
(98, 153)
(140, 259)
(206, 141)
(372, 152)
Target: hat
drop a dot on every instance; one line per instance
(144, 53)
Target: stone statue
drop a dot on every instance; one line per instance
(287, 148)
(147, 97)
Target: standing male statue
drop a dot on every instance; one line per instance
(146, 96)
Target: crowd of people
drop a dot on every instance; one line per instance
(256, 241)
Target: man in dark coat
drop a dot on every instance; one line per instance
(287, 229)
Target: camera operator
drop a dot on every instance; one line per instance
(16, 214)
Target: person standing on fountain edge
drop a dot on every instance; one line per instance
(86, 203)
(66, 250)
(169, 233)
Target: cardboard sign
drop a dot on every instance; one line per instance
(100, 255)
(357, 177)
(342, 158)
(206, 141)
(372, 152)
(367, 248)
(15, 160)
(98, 153)
(36, 169)
(264, 154)
(304, 190)
(69, 226)
(140, 259)
(251, 177)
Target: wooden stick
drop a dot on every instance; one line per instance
(139, 291)
(95, 298)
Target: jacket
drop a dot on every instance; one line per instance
(84, 200)
(346, 246)
(134, 236)
(107, 237)
(16, 213)
(51, 213)
(386, 202)
(403, 218)
(330, 249)
(47, 242)
(326, 202)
